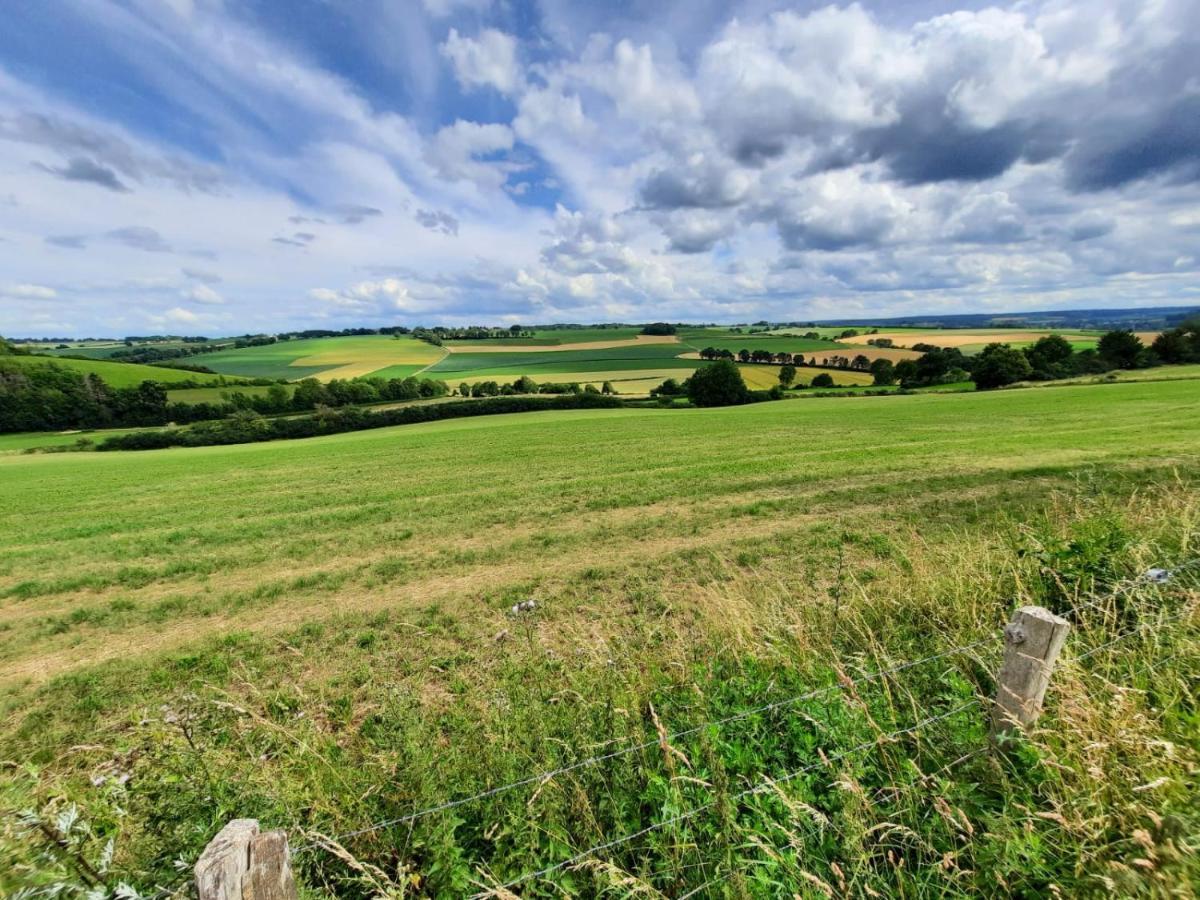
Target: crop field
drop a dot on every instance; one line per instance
(550, 364)
(328, 358)
(116, 374)
(972, 340)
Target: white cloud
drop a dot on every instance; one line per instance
(490, 60)
(442, 8)
(177, 315)
(202, 293)
(29, 292)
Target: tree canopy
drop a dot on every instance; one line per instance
(717, 384)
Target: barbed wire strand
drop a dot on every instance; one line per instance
(645, 745)
(757, 789)
(1129, 583)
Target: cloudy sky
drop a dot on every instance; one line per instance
(223, 166)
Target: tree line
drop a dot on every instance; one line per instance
(53, 398)
(248, 427)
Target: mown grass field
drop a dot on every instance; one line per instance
(116, 374)
(316, 633)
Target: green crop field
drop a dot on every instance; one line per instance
(326, 358)
(116, 374)
(552, 362)
(317, 634)
(774, 343)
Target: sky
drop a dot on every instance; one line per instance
(242, 166)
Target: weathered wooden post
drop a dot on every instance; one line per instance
(1032, 641)
(242, 863)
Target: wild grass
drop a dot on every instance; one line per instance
(318, 635)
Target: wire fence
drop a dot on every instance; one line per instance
(1095, 602)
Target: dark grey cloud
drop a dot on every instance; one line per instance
(94, 148)
(68, 241)
(302, 220)
(297, 239)
(202, 276)
(1090, 226)
(713, 185)
(352, 214)
(80, 168)
(1165, 143)
(438, 220)
(140, 238)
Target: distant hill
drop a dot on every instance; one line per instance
(1145, 319)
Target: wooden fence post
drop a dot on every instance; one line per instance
(242, 863)
(1032, 641)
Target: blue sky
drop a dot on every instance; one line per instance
(210, 166)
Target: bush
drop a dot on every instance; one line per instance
(823, 380)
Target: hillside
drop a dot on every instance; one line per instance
(117, 374)
(317, 633)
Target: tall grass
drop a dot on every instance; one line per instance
(335, 726)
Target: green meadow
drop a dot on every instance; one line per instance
(115, 374)
(318, 633)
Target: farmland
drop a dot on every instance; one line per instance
(590, 355)
(329, 616)
(325, 358)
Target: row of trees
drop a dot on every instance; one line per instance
(52, 398)
(1052, 357)
(247, 427)
(440, 333)
(526, 385)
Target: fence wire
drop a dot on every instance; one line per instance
(1152, 577)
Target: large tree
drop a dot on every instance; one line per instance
(1120, 348)
(883, 371)
(717, 384)
(998, 365)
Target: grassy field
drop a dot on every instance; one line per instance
(116, 374)
(327, 358)
(316, 633)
